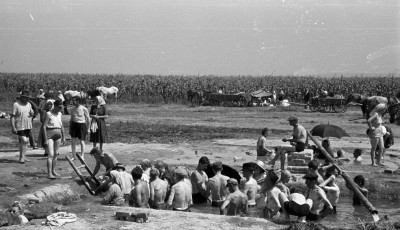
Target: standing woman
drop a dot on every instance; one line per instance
(98, 132)
(53, 132)
(376, 133)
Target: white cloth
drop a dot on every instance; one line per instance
(93, 126)
(60, 218)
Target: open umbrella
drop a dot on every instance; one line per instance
(327, 130)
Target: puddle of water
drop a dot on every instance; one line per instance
(347, 216)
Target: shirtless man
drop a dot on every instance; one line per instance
(103, 158)
(236, 201)
(297, 142)
(281, 184)
(199, 181)
(321, 205)
(313, 167)
(249, 185)
(217, 185)
(331, 188)
(262, 149)
(158, 190)
(139, 196)
(180, 198)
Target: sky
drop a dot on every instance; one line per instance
(200, 37)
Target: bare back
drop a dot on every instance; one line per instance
(158, 191)
(140, 195)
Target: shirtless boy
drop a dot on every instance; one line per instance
(249, 185)
(318, 196)
(217, 185)
(180, 198)
(272, 196)
(236, 201)
(158, 190)
(199, 181)
(139, 196)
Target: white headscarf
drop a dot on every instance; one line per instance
(100, 100)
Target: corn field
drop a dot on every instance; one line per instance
(172, 89)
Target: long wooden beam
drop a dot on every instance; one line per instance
(348, 180)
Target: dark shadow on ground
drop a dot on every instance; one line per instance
(30, 174)
(8, 161)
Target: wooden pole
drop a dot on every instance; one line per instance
(85, 183)
(350, 182)
(87, 169)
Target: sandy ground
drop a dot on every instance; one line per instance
(20, 179)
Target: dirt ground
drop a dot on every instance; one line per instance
(180, 135)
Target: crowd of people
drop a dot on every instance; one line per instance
(158, 187)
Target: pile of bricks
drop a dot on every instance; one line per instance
(298, 161)
(132, 217)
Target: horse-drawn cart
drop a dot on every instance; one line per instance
(228, 99)
(335, 104)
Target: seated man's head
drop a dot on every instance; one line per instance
(266, 131)
(137, 173)
(326, 143)
(357, 153)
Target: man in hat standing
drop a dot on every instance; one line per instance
(249, 185)
(217, 185)
(236, 201)
(180, 197)
(21, 122)
(199, 181)
(298, 142)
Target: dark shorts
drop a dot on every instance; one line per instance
(312, 217)
(300, 146)
(24, 133)
(78, 130)
(295, 209)
(198, 198)
(162, 206)
(54, 134)
(217, 203)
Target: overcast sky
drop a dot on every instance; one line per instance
(191, 37)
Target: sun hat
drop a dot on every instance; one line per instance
(119, 166)
(25, 93)
(181, 171)
(261, 165)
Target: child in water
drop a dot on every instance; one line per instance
(359, 180)
(357, 156)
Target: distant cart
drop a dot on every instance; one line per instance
(336, 104)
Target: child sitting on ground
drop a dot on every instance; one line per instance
(359, 180)
(340, 156)
(357, 156)
(17, 214)
(273, 206)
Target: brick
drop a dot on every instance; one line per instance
(35, 200)
(298, 169)
(122, 215)
(297, 162)
(388, 171)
